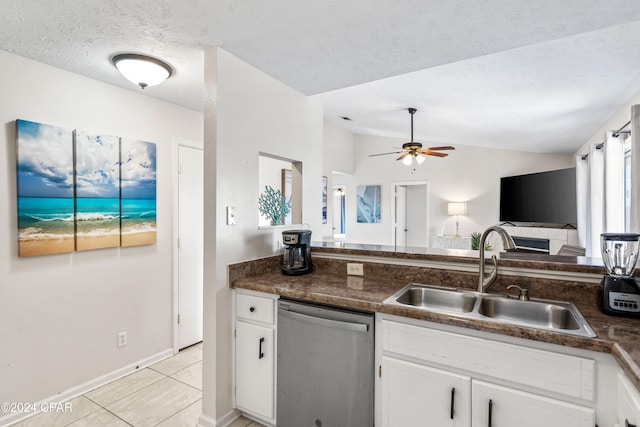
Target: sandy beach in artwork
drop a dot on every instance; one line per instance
(138, 238)
(45, 245)
(93, 241)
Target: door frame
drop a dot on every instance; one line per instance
(392, 201)
(176, 143)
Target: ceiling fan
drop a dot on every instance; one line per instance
(413, 150)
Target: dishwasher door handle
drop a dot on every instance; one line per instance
(321, 321)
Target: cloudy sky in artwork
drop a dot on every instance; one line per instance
(97, 165)
(45, 160)
(138, 170)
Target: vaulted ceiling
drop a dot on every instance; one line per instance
(532, 75)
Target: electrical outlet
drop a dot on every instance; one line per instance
(355, 269)
(122, 339)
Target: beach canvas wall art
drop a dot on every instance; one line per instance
(97, 184)
(45, 189)
(368, 204)
(137, 192)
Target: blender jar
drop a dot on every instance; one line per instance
(620, 252)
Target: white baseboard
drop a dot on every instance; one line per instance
(85, 387)
(224, 421)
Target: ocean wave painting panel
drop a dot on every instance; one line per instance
(45, 189)
(138, 192)
(97, 191)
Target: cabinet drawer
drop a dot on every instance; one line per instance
(560, 373)
(255, 308)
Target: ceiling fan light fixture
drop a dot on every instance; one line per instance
(142, 70)
(413, 150)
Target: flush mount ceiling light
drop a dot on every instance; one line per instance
(142, 70)
(413, 151)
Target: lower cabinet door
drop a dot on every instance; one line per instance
(497, 406)
(255, 369)
(628, 410)
(416, 395)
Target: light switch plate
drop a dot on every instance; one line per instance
(231, 215)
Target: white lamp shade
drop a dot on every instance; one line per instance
(142, 70)
(420, 158)
(457, 208)
(407, 160)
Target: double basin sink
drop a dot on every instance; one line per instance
(547, 315)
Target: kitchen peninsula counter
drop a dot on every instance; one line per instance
(329, 284)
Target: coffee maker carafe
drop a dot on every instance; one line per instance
(296, 254)
(619, 290)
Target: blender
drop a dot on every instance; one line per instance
(619, 291)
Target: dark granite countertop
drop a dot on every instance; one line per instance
(617, 336)
(571, 264)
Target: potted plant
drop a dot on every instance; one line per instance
(273, 205)
(475, 242)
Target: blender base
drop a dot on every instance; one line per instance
(619, 296)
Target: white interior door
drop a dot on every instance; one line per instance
(416, 216)
(190, 245)
(401, 216)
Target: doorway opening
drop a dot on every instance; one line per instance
(339, 213)
(410, 224)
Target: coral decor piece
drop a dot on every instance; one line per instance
(273, 205)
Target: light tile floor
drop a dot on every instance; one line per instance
(166, 394)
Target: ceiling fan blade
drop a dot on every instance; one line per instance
(403, 156)
(384, 154)
(427, 152)
(447, 147)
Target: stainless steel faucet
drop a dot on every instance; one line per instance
(507, 243)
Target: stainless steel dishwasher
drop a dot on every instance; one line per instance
(325, 366)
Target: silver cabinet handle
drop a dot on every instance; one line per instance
(349, 326)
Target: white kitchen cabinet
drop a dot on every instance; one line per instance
(496, 384)
(255, 340)
(416, 395)
(628, 402)
(497, 406)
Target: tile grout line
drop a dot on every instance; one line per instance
(183, 409)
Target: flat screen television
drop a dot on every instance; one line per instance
(544, 197)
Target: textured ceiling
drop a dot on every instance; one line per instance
(539, 76)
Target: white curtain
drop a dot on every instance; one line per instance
(600, 193)
(635, 170)
(614, 184)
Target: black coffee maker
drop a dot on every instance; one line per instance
(296, 254)
(619, 290)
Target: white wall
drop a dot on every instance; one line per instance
(252, 113)
(337, 159)
(614, 123)
(59, 314)
(468, 174)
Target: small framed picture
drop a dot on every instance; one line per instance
(324, 199)
(369, 204)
